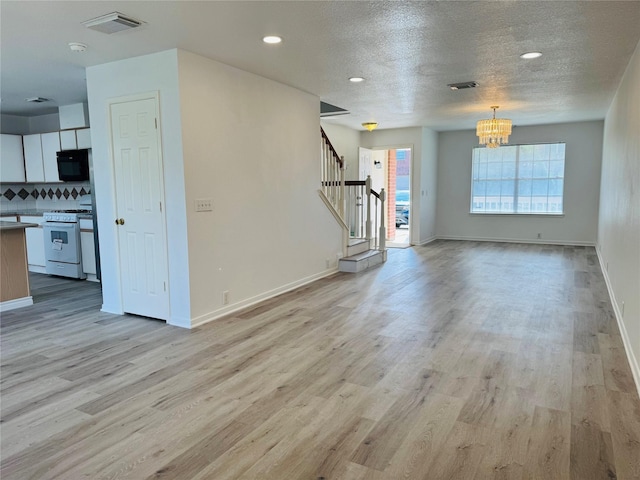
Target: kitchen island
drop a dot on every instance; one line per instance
(14, 276)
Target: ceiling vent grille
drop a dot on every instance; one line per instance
(462, 86)
(112, 23)
(37, 99)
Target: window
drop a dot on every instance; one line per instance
(523, 179)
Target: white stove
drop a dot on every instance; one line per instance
(62, 249)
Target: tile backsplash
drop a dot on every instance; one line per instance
(20, 197)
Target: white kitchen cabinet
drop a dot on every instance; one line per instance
(83, 137)
(68, 140)
(9, 218)
(50, 146)
(11, 158)
(35, 244)
(88, 248)
(33, 158)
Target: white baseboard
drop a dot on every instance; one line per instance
(542, 241)
(221, 312)
(15, 303)
(430, 239)
(116, 310)
(37, 269)
(181, 322)
(633, 362)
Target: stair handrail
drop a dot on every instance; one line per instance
(338, 158)
(333, 176)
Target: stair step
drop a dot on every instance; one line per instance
(361, 261)
(357, 245)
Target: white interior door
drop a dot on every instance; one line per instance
(365, 163)
(139, 205)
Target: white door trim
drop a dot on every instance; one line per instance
(153, 95)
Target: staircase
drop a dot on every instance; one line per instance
(358, 209)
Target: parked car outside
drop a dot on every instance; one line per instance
(402, 208)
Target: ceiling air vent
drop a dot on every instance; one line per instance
(463, 85)
(37, 99)
(112, 23)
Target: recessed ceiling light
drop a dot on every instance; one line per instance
(77, 47)
(272, 39)
(530, 55)
(356, 79)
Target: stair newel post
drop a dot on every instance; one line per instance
(368, 222)
(331, 177)
(383, 230)
(325, 169)
(341, 194)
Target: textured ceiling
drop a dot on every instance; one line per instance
(407, 52)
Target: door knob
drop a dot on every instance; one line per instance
(119, 221)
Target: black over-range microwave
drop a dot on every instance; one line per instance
(73, 165)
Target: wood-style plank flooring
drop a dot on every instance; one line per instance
(455, 360)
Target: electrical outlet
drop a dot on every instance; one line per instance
(204, 205)
(225, 297)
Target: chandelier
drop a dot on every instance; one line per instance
(494, 131)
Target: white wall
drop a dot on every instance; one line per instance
(619, 222)
(423, 173)
(14, 124)
(252, 146)
(249, 144)
(150, 73)
(19, 125)
(44, 123)
(577, 226)
(346, 141)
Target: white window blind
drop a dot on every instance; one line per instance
(520, 179)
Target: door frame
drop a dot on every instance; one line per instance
(155, 96)
(411, 147)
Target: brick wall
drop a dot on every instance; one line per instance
(391, 195)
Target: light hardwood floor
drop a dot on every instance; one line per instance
(456, 360)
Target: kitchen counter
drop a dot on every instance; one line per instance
(14, 276)
(38, 213)
(25, 213)
(15, 225)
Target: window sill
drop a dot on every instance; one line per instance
(507, 214)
